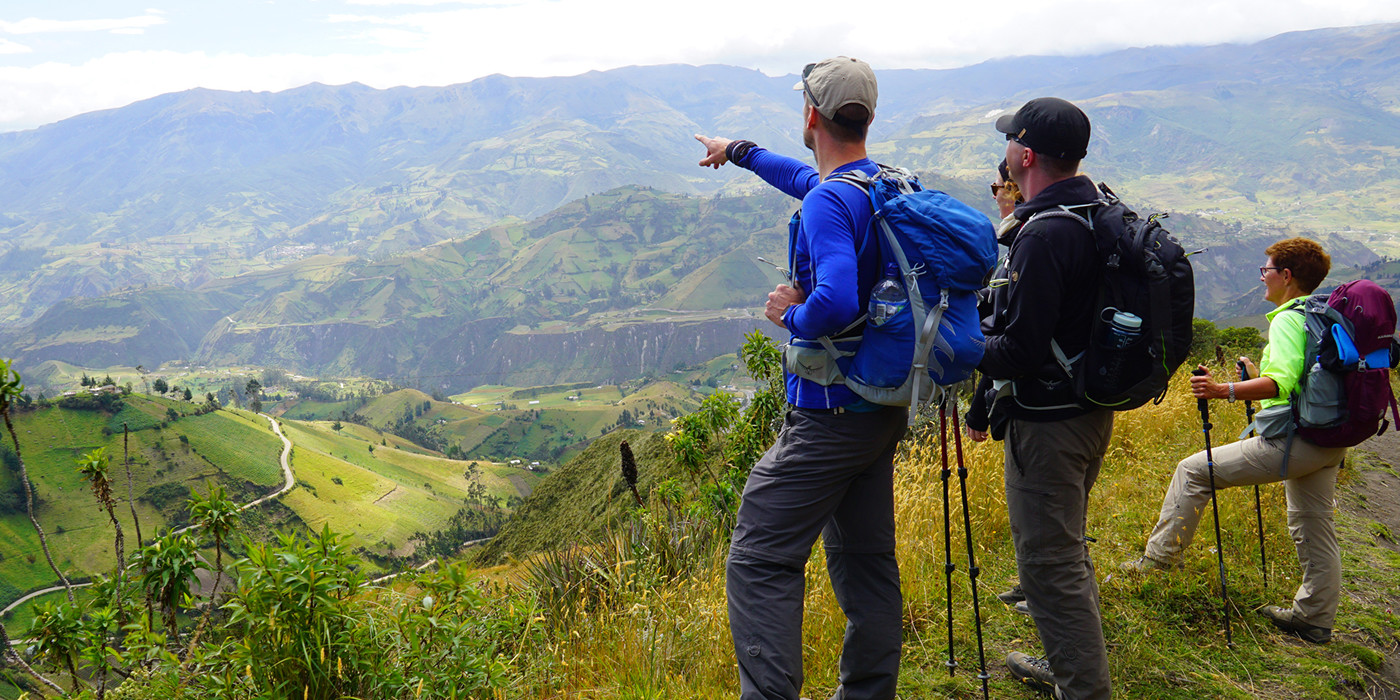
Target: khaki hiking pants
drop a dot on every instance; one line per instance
(1310, 487)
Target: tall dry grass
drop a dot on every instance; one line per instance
(671, 640)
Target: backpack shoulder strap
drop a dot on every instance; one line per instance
(905, 181)
(1070, 211)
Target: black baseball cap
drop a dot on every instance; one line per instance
(1050, 126)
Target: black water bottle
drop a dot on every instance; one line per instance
(1120, 333)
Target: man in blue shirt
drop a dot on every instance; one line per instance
(831, 470)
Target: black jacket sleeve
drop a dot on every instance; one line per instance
(1040, 269)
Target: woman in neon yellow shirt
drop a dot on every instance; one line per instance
(1295, 267)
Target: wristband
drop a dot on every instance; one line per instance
(736, 150)
(1231, 387)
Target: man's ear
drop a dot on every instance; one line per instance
(809, 114)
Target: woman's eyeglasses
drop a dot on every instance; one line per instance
(1262, 268)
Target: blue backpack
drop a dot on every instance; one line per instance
(944, 250)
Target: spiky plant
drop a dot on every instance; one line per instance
(95, 468)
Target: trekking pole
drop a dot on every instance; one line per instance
(1258, 508)
(972, 570)
(1215, 508)
(948, 566)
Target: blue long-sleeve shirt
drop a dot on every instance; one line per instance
(824, 244)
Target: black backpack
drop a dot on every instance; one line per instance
(1145, 274)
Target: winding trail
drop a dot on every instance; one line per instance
(289, 481)
(289, 478)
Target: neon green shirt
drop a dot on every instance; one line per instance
(1283, 354)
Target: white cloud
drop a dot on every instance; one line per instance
(34, 25)
(365, 19)
(10, 47)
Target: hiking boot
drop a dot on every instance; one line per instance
(1022, 607)
(1283, 619)
(1013, 596)
(1143, 565)
(1033, 671)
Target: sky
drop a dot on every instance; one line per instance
(66, 57)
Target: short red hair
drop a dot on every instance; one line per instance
(1308, 262)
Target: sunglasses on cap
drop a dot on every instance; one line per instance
(807, 89)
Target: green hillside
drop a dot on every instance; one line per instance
(547, 424)
(168, 457)
(362, 484)
(377, 488)
(580, 500)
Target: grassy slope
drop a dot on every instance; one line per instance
(1163, 631)
(241, 445)
(385, 495)
(581, 498)
(531, 424)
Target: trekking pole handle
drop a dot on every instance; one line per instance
(1244, 376)
(1201, 402)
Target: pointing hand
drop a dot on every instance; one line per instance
(714, 150)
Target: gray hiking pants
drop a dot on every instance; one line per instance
(831, 475)
(1310, 487)
(1050, 469)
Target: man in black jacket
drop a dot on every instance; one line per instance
(1054, 446)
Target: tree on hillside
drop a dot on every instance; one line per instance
(55, 635)
(168, 565)
(274, 377)
(95, 468)
(189, 395)
(254, 391)
(217, 514)
(336, 426)
(160, 385)
(108, 381)
(1241, 340)
(11, 387)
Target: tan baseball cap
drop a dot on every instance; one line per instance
(837, 82)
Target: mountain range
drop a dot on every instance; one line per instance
(558, 229)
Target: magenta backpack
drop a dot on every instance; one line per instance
(1345, 388)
